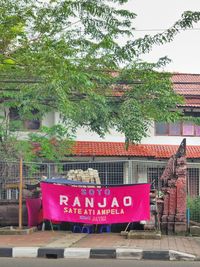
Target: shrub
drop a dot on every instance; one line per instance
(194, 206)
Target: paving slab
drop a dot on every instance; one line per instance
(67, 244)
(41, 239)
(188, 245)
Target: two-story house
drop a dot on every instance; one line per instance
(146, 161)
(162, 142)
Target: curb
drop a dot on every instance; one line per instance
(99, 253)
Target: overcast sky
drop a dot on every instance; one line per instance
(184, 51)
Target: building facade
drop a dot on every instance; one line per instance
(144, 162)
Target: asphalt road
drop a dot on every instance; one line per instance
(10, 262)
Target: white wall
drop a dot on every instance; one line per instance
(49, 119)
(56, 117)
(83, 134)
(169, 140)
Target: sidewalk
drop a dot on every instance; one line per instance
(183, 244)
(41, 239)
(105, 241)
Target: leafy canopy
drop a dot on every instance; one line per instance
(65, 56)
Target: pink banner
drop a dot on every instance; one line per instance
(105, 205)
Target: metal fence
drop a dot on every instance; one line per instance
(193, 192)
(106, 172)
(109, 172)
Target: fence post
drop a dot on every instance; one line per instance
(20, 191)
(48, 170)
(130, 171)
(106, 173)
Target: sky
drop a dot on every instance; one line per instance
(184, 50)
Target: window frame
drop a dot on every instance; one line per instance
(181, 130)
(15, 117)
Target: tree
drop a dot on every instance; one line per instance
(64, 55)
(50, 144)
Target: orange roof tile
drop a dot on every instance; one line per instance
(112, 149)
(186, 84)
(192, 102)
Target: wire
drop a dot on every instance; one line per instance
(161, 30)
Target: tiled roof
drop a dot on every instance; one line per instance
(185, 77)
(114, 149)
(192, 102)
(186, 84)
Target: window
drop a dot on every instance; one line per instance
(33, 124)
(14, 114)
(161, 128)
(188, 129)
(177, 129)
(197, 130)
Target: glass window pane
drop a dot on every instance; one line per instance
(14, 114)
(188, 129)
(32, 124)
(197, 130)
(175, 128)
(161, 128)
